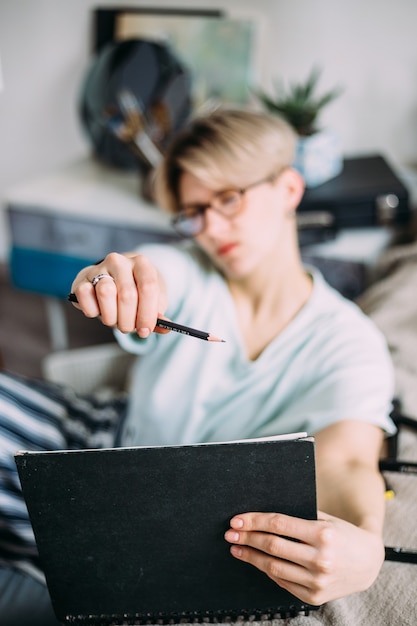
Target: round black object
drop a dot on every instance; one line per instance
(134, 90)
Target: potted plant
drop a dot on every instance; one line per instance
(318, 155)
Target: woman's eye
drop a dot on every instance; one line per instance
(229, 198)
(193, 211)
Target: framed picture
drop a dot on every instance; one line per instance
(216, 49)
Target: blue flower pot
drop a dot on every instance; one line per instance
(318, 157)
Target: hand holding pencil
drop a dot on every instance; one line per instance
(98, 296)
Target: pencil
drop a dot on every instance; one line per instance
(392, 465)
(168, 325)
(186, 330)
(400, 554)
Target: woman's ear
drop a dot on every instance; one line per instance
(294, 186)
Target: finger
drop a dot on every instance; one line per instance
(106, 297)
(117, 298)
(86, 299)
(305, 593)
(148, 288)
(85, 296)
(274, 546)
(277, 524)
(114, 296)
(316, 591)
(279, 570)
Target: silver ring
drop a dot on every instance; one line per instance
(97, 278)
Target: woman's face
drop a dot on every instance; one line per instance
(259, 233)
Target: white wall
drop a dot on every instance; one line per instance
(367, 46)
(370, 48)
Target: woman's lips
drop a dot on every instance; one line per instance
(226, 249)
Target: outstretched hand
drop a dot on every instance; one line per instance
(129, 296)
(330, 558)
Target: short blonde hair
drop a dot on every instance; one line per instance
(224, 149)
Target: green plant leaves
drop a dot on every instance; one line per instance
(297, 104)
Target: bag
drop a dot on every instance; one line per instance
(135, 96)
(367, 193)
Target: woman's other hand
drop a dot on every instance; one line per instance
(330, 558)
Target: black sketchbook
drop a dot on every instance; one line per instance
(136, 535)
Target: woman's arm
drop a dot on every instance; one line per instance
(340, 553)
(349, 484)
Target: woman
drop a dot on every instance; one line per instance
(296, 357)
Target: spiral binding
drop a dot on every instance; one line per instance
(191, 617)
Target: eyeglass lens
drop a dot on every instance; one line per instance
(190, 221)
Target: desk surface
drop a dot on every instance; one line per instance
(358, 245)
(89, 189)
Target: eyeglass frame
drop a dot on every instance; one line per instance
(200, 208)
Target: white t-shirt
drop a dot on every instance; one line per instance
(329, 364)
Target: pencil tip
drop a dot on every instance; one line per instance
(213, 338)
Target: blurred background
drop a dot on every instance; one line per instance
(367, 48)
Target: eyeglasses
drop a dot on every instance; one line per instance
(190, 220)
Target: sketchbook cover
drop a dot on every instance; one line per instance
(139, 532)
